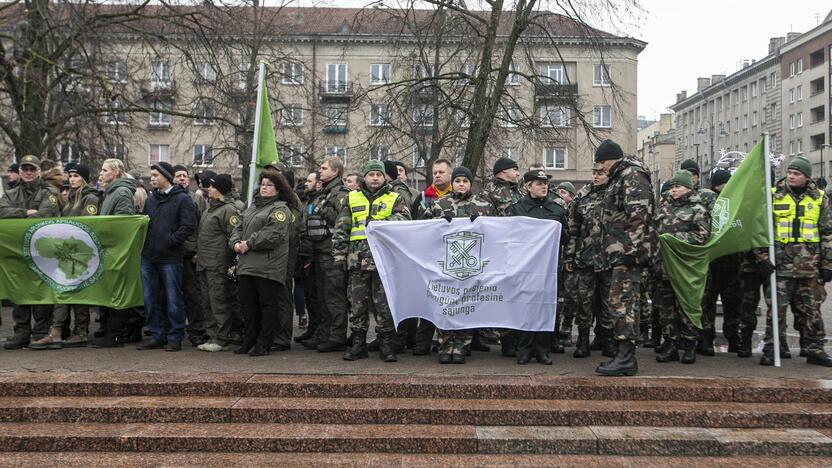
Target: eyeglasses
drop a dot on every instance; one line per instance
(267, 185)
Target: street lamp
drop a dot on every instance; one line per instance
(697, 155)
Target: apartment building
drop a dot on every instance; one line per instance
(657, 148)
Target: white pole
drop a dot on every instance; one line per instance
(775, 329)
(252, 169)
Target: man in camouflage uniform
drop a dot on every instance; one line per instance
(625, 212)
(803, 253)
(391, 170)
(454, 345)
(708, 197)
(351, 252)
(723, 282)
(582, 259)
(566, 314)
(685, 217)
(31, 198)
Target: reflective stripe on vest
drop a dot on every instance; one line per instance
(796, 222)
(382, 207)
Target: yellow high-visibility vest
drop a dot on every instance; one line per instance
(796, 222)
(361, 209)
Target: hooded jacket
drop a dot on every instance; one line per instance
(89, 204)
(118, 197)
(172, 220)
(265, 226)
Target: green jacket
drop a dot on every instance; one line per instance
(583, 223)
(265, 227)
(118, 197)
(356, 254)
(502, 195)
(215, 228)
(88, 205)
(200, 205)
(35, 195)
(457, 206)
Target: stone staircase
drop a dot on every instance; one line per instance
(149, 419)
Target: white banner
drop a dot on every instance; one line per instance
(492, 273)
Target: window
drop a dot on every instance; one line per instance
(800, 66)
(754, 119)
(336, 77)
(242, 81)
(421, 72)
(800, 93)
(379, 115)
(772, 79)
(555, 116)
(159, 153)
(205, 73)
(791, 72)
(339, 152)
(203, 112)
(423, 115)
(115, 115)
(791, 95)
(554, 73)
(292, 115)
(418, 158)
(513, 78)
(510, 117)
(469, 71)
(380, 152)
(799, 119)
(753, 90)
(745, 121)
(379, 73)
(791, 121)
(602, 117)
(601, 75)
(159, 116)
(292, 73)
(336, 115)
(292, 155)
(511, 152)
(554, 158)
(736, 124)
(791, 148)
(160, 74)
(203, 155)
(116, 151)
(728, 126)
(70, 152)
(799, 145)
(463, 119)
(116, 72)
(744, 93)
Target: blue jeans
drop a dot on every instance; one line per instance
(170, 274)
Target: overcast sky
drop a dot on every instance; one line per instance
(689, 39)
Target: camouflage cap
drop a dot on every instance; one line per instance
(566, 185)
(30, 160)
(372, 165)
(682, 177)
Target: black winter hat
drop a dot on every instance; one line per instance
(81, 170)
(165, 169)
(720, 177)
(180, 168)
(391, 169)
(203, 177)
(14, 168)
(462, 171)
(607, 150)
(222, 183)
(503, 164)
(690, 166)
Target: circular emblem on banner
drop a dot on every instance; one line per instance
(66, 255)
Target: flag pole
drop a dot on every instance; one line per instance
(252, 169)
(775, 329)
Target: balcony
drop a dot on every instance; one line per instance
(555, 91)
(157, 90)
(336, 91)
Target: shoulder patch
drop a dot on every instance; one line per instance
(294, 218)
(279, 216)
(233, 220)
(91, 209)
(53, 199)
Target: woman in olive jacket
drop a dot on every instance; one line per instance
(261, 240)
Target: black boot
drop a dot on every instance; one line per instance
(477, 344)
(386, 349)
(582, 349)
(688, 352)
(785, 352)
(624, 362)
(744, 348)
(309, 333)
(668, 352)
(655, 338)
(733, 343)
(706, 344)
(818, 358)
(373, 345)
(358, 347)
(524, 356)
(508, 343)
(542, 356)
(802, 346)
(609, 347)
(557, 346)
(767, 358)
(597, 343)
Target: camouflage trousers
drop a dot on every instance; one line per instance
(644, 307)
(454, 341)
(366, 292)
(584, 285)
(674, 322)
(725, 284)
(804, 296)
(620, 289)
(568, 303)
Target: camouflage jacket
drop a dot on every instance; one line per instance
(583, 225)
(686, 218)
(804, 259)
(625, 211)
(328, 203)
(357, 254)
(403, 190)
(458, 206)
(502, 195)
(708, 198)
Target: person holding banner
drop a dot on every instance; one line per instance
(803, 253)
(350, 251)
(461, 203)
(537, 204)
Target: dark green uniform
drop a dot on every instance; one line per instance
(198, 317)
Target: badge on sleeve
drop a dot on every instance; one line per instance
(53, 199)
(233, 220)
(279, 216)
(91, 209)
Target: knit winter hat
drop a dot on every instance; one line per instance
(683, 178)
(503, 164)
(180, 168)
(690, 166)
(222, 183)
(372, 165)
(720, 177)
(81, 170)
(607, 150)
(462, 171)
(566, 185)
(391, 169)
(801, 164)
(165, 169)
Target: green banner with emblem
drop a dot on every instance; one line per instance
(89, 260)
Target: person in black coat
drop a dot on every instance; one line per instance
(537, 204)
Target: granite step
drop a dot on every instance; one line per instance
(546, 387)
(306, 459)
(418, 439)
(414, 411)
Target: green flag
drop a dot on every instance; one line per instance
(265, 141)
(739, 223)
(90, 260)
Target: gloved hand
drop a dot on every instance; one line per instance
(474, 216)
(827, 275)
(448, 217)
(766, 267)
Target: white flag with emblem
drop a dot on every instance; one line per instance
(493, 272)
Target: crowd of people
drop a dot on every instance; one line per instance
(227, 277)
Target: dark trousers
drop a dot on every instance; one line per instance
(333, 289)
(197, 315)
(266, 311)
(298, 296)
(534, 343)
(23, 316)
